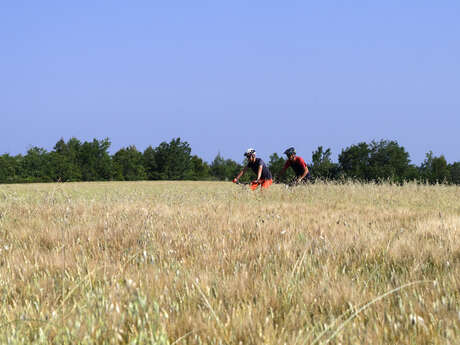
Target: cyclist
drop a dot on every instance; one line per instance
(298, 164)
(264, 177)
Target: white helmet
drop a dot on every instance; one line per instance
(250, 152)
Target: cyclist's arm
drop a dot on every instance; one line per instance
(305, 172)
(241, 173)
(259, 172)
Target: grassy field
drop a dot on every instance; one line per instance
(214, 263)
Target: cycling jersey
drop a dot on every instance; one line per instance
(266, 175)
(298, 165)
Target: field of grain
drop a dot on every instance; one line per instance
(214, 263)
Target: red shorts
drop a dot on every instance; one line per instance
(262, 183)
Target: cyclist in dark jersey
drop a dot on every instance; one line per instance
(264, 177)
(297, 164)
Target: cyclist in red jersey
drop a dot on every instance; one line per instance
(297, 164)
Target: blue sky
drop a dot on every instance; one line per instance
(225, 76)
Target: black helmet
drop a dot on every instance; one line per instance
(290, 151)
(249, 152)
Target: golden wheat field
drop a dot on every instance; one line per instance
(214, 263)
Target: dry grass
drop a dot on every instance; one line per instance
(213, 263)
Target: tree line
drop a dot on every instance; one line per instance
(75, 160)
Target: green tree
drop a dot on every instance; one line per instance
(150, 164)
(65, 160)
(387, 161)
(224, 169)
(434, 169)
(201, 170)
(128, 164)
(322, 165)
(412, 173)
(169, 161)
(9, 169)
(218, 168)
(95, 161)
(455, 172)
(382, 160)
(35, 166)
(276, 164)
(354, 161)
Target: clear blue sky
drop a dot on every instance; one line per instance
(228, 75)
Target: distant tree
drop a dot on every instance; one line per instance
(354, 161)
(387, 161)
(35, 166)
(455, 172)
(218, 168)
(412, 173)
(434, 169)
(95, 161)
(322, 165)
(90, 161)
(9, 168)
(150, 164)
(128, 164)
(200, 169)
(441, 171)
(224, 169)
(382, 160)
(275, 164)
(65, 160)
(169, 161)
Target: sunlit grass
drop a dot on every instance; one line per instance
(214, 263)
